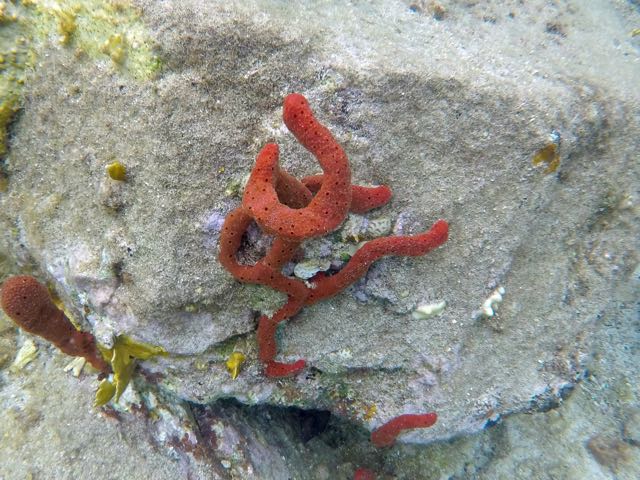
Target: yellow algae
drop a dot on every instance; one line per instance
(66, 25)
(139, 350)
(122, 357)
(123, 365)
(114, 46)
(370, 412)
(117, 171)
(635, 32)
(234, 362)
(549, 156)
(106, 391)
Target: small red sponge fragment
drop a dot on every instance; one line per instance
(28, 303)
(386, 435)
(364, 474)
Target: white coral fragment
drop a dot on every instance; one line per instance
(25, 355)
(75, 366)
(490, 304)
(429, 310)
(309, 268)
(360, 228)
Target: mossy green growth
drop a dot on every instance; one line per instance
(66, 25)
(123, 356)
(96, 29)
(111, 31)
(8, 108)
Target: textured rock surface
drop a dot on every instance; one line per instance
(448, 113)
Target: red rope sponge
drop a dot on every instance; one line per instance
(28, 303)
(386, 435)
(293, 211)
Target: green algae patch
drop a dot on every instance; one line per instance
(234, 364)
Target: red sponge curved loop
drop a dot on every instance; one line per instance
(328, 208)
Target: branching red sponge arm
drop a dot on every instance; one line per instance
(363, 199)
(28, 303)
(406, 245)
(386, 435)
(267, 342)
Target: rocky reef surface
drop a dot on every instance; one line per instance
(518, 123)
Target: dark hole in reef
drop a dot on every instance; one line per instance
(304, 424)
